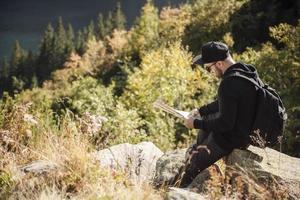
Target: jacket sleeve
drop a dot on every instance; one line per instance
(209, 108)
(226, 116)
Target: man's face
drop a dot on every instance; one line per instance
(214, 67)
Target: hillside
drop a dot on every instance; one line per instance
(77, 100)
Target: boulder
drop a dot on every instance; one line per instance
(40, 167)
(167, 166)
(138, 161)
(270, 171)
(278, 172)
(183, 194)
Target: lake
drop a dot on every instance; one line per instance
(26, 20)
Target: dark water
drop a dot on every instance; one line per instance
(25, 20)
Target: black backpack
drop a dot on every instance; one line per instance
(270, 115)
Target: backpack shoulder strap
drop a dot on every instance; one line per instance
(238, 74)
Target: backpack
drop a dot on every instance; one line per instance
(270, 114)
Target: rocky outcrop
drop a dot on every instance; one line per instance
(276, 171)
(138, 161)
(264, 171)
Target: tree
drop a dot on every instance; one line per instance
(118, 18)
(17, 58)
(80, 42)
(100, 31)
(207, 23)
(109, 23)
(90, 31)
(70, 46)
(250, 24)
(58, 54)
(46, 47)
(145, 31)
(4, 69)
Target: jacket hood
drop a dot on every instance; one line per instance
(245, 69)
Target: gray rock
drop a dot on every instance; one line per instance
(40, 167)
(266, 160)
(279, 173)
(138, 161)
(167, 166)
(183, 194)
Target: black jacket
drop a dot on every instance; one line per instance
(232, 115)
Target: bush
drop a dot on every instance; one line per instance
(166, 73)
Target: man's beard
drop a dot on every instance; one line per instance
(218, 72)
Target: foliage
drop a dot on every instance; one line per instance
(165, 73)
(172, 23)
(87, 95)
(250, 24)
(209, 21)
(281, 69)
(144, 34)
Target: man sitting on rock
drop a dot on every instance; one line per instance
(225, 123)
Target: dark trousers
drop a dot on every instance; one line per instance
(202, 155)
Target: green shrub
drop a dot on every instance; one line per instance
(166, 73)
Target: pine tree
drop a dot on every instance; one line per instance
(46, 48)
(100, 27)
(90, 31)
(146, 33)
(118, 18)
(4, 75)
(58, 54)
(70, 46)
(80, 42)
(109, 23)
(17, 58)
(29, 67)
(4, 69)
(46, 43)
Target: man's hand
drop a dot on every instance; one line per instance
(194, 113)
(189, 122)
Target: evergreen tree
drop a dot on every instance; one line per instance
(118, 18)
(145, 35)
(100, 27)
(109, 23)
(80, 42)
(46, 44)
(70, 46)
(90, 31)
(46, 47)
(17, 58)
(4, 69)
(58, 54)
(29, 67)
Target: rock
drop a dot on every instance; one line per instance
(274, 174)
(183, 194)
(277, 171)
(137, 160)
(40, 167)
(266, 160)
(167, 166)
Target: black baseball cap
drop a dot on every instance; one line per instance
(212, 52)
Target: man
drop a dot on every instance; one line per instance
(225, 123)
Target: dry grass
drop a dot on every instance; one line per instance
(76, 176)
